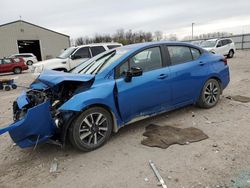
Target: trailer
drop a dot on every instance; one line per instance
(7, 84)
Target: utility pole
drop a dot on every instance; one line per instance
(193, 31)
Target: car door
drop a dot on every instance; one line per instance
(79, 56)
(145, 94)
(187, 72)
(220, 47)
(7, 65)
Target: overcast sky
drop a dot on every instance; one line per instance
(86, 18)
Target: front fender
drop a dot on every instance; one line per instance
(101, 94)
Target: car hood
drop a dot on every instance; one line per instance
(51, 78)
(208, 49)
(50, 62)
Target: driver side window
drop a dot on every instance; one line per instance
(147, 60)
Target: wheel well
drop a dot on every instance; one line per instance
(66, 129)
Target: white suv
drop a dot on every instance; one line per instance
(72, 57)
(223, 46)
(29, 58)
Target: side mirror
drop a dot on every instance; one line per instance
(133, 72)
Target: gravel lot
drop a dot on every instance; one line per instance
(220, 161)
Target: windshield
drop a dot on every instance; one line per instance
(99, 63)
(208, 44)
(66, 53)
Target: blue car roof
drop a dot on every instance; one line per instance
(145, 44)
(138, 46)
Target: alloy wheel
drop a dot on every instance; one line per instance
(211, 93)
(93, 128)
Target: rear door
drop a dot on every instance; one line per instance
(188, 70)
(145, 94)
(79, 56)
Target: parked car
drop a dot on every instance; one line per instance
(73, 56)
(15, 65)
(29, 58)
(116, 88)
(197, 42)
(224, 47)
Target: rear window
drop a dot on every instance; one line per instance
(113, 46)
(6, 61)
(179, 54)
(224, 42)
(97, 50)
(229, 41)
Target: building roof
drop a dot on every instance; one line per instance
(34, 26)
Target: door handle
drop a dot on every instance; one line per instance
(162, 76)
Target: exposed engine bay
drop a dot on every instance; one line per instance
(56, 96)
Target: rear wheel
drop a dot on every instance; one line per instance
(17, 70)
(7, 88)
(91, 129)
(230, 54)
(210, 94)
(29, 63)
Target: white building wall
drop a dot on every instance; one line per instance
(51, 43)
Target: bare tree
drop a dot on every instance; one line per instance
(158, 35)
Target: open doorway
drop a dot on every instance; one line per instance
(30, 46)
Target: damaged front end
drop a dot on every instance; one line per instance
(36, 114)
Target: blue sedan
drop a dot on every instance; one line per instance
(113, 89)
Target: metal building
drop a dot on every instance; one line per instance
(24, 37)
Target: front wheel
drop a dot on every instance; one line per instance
(91, 129)
(29, 62)
(210, 94)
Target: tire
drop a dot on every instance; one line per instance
(210, 94)
(14, 86)
(29, 62)
(17, 70)
(88, 135)
(7, 88)
(230, 54)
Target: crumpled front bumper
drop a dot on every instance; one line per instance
(36, 127)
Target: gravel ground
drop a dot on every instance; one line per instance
(220, 161)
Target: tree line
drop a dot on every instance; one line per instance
(125, 37)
